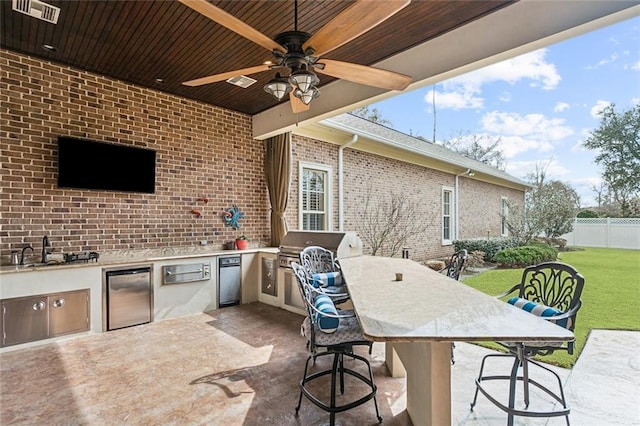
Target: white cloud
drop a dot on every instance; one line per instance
(635, 101)
(579, 147)
(512, 145)
(584, 188)
(598, 107)
(505, 97)
(553, 168)
(464, 91)
(612, 58)
(454, 100)
(530, 66)
(635, 66)
(530, 125)
(560, 107)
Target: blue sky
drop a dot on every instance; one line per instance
(542, 104)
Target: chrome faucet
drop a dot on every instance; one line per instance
(25, 248)
(45, 250)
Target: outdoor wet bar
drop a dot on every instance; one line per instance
(420, 315)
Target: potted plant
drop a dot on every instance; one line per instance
(241, 242)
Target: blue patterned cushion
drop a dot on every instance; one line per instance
(326, 323)
(327, 279)
(538, 310)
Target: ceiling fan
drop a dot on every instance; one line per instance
(300, 53)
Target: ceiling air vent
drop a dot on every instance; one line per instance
(242, 81)
(37, 9)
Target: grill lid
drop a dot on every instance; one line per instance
(295, 241)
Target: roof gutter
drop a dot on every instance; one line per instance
(469, 173)
(375, 137)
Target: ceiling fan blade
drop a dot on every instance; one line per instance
(351, 23)
(231, 22)
(297, 105)
(226, 75)
(364, 74)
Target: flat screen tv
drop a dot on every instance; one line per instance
(87, 164)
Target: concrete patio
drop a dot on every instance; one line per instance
(242, 365)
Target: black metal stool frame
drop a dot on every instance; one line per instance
(526, 380)
(338, 353)
(551, 284)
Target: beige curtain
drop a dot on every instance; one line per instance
(277, 171)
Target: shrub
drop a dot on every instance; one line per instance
(560, 243)
(588, 214)
(490, 246)
(475, 259)
(518, 257)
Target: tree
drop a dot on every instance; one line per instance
(519, 223)
(478, 147)
(372, 115)
(617, 141)
(549, 208)
(386, 222)
(555, 207)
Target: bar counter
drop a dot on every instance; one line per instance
(420, 315)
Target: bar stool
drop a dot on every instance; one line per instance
(335, 333)
(552, 291)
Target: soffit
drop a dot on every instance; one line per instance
(139, 41)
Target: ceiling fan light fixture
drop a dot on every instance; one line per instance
(304, 80)
(308, 96)
(279, 87)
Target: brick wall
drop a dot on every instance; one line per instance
(480, 205)
(201, 150)
(316, 152)
(374, 176)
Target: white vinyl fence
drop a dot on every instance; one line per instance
(605, 232)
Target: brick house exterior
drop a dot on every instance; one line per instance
(409, 170)
(202, 150)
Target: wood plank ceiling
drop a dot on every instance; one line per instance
(141, 41)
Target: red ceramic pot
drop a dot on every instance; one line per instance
(241, 244)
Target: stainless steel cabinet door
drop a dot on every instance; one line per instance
(68, 312)
(129, 299)
(24, 319)
(229, 285)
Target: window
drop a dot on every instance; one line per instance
(448, 217)
(504, 214)
(315, 197)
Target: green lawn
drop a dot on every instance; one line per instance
(610, 299)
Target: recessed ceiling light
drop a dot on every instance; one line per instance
(49, 47)
(267, 63)
(160, 80)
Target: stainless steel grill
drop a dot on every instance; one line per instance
(342, 244)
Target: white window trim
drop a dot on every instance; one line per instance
(452, 216)
(329, 195)
(504, 230)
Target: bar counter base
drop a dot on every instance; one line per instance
(428, 372)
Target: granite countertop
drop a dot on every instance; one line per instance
(117, 257)
(428, 306)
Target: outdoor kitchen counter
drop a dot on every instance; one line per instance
(169, 301)
(419, 316)
(121, 257)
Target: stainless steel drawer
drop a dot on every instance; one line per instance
(178, 274)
